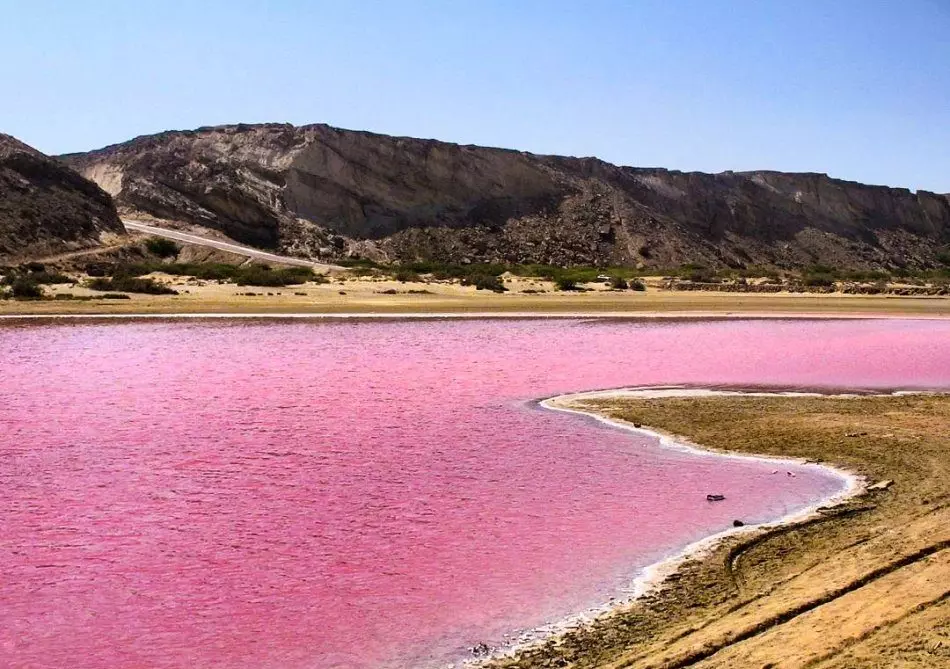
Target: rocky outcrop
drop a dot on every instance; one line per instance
(46, 207)
(326, 192)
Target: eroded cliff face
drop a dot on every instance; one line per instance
(46, 207)
(324, 192)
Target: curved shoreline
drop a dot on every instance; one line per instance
(652, 576)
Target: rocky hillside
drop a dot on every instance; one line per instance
(45, 207)
(326, 192)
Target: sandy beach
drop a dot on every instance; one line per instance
(860, 580)
(349, 295)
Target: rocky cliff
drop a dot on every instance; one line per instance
(322, 191)
(46, 207)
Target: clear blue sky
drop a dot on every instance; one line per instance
(859, 89)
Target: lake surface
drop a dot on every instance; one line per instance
(299, 494)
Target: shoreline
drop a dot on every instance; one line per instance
(377, 297)
(483, 315)
(652, 577)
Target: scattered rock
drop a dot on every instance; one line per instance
(737, 523)
(881, 485)
(715, 498)
(480, 650)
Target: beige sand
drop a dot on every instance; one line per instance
(367, 295)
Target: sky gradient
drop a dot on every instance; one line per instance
(858, 89)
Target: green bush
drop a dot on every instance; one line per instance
(701, 275)
(618, 283)
(407, 275)
(818, 280)
(261, 275)
(638, 285)
(163, 248)
(445, 271)
(567, 283)
(127, 270)
(24, 288)
(47, 277)
(42, 276)
(485, 282)
(131, 285)
(247, 275)
(97, 269)
(360, 263)
(821, 270)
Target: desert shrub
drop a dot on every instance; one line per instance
(42, 276)
(246, 275)
(860, 275)
(116, 296)
(47, 277)
(818, 280)
(262, 275)
(203, 271)
(25, 288)
(33, 267)
(943, 257)
(362, 271)
(163, 248)
(359, 263)
(701, 275)
(407, 275)
(490, 282)
(618, 283)
(485, 282)
(445, 271)
(127, 270)
(567, 283)
(131, 285)
(97, 269)
(821, 270)
(577, 274)
(637, 285)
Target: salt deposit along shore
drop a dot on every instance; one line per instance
(669, 601)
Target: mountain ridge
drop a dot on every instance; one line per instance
(324, 192)
(46, 207)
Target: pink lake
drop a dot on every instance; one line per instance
(279, 494)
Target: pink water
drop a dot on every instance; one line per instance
(283, 495)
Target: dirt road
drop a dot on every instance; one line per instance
(257, 254)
